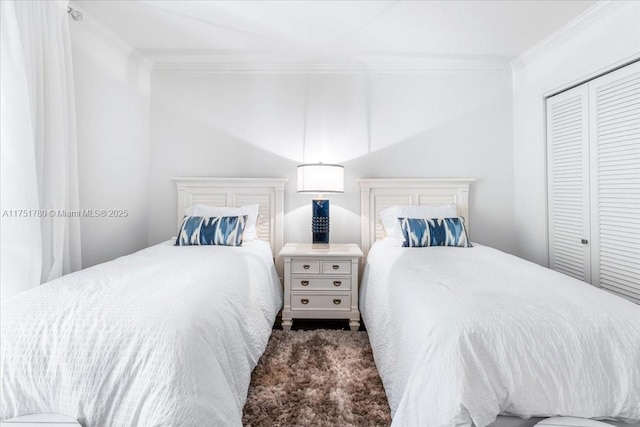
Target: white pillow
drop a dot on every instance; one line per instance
(251, 211)
(390, 216)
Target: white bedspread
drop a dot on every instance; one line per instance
(167, 336)
(461, 335)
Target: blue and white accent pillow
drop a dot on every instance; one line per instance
(422, 232)
(203, 230)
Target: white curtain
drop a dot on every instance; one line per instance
(38, 146)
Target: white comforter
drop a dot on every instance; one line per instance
(167, 336)
(461, 335)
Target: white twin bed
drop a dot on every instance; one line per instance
(167, 336)
(463, 335)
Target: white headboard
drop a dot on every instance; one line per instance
(234, 192)
(378, 194)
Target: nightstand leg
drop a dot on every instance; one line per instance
(354, 325)
(286, 324)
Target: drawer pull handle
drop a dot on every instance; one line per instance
(306, 266)
(337, 301)
(305, 301)
(337, 282)
(335, 266)
(304, 282)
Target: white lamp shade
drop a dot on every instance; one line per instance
(320, 178)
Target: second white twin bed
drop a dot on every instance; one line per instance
(461, 335)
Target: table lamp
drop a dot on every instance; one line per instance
(320, 178)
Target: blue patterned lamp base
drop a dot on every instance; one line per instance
(320, 221)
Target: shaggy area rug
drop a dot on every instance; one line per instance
(316, 378)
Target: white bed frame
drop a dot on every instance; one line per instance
(377, 194)
(235, 192)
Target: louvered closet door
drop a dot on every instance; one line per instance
(615, 180)
(568, 178)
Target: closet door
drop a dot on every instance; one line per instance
(615, 180)
(568, 180)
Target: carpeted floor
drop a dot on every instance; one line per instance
(316, 378)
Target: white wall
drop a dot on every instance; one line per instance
(430, 124)
(605, 37)
(112, 103)
(422, 124)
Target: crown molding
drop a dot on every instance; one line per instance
(109, 37)
(397, 64)
(569, 30)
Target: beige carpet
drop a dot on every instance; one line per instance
(316, 378)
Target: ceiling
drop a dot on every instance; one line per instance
(331, 32)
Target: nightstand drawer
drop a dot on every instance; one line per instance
(336, 267)
(305, 267)
(299, 283)
(307, 301)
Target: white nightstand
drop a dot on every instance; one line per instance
(321, 282)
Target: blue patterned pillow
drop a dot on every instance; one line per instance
(202, 230)
(420, 232)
